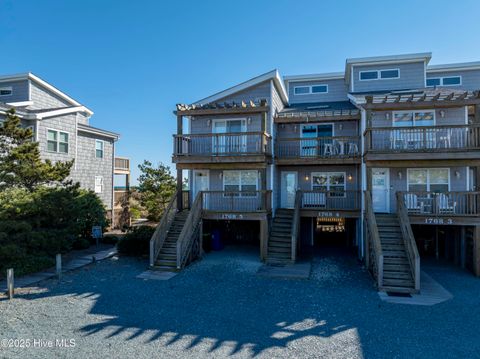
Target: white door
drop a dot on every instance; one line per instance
(289, 188)
(381, 190)
(200, 183)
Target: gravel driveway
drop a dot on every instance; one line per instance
(218, 307)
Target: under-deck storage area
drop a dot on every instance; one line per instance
(220, 233)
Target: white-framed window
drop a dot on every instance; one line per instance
(308, 90)
(57, 141)
(98, 184)
(428, 179)
(333, 182)
(386, 74)
(413, 118)
(444, 81)
(6, 91)
(241, 181)
(99, 146)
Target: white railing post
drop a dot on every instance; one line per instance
(10, 283)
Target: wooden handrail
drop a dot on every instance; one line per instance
(374, 235)
(296, 223)
(189, 232)
(225, 134)
(161, 232)
(383, 128)
(409, 240)
(288, 139)
(351, 199)
(451, 203)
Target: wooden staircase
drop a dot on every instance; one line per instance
(397, 272)
(167, 257)
(279, 250)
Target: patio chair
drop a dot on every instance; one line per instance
(445, 206)
(411, 201)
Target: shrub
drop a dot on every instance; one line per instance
(136, 242)
(110, 239)
(81, 243)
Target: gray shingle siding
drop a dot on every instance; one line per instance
(88, 166)
(412, 76)
(470, 78)
(45, 99)
(20, 91)
(65, 123)
(337, 91)
(255, 93)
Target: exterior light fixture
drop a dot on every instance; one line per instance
(307, 178)
(399, 174)
(457, 174)
(340, 127)
(387, 115)
(442, 113)
(209, 122)
(350, 177)
(249, 120)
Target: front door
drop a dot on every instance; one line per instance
(381, 190)
(200, 183)
(289, 188)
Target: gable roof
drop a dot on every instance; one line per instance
(38, 80)
(271, 75)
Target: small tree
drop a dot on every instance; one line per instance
(20, 162)
(156, 187)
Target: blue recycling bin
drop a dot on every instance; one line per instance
(217, 244)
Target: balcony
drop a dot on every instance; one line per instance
(222, 147)
(122, 165)
(318, 150)
(235, 205)
(333, 203)
(446, 208)
(441, 142)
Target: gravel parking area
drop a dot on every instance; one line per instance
(219, 307)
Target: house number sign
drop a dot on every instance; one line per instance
(328, 214)
(231, 216)
(438, 220)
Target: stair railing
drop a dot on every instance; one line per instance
(409, 240)
(374, 240)
(188, 243)
(296, 223)
(160, 234)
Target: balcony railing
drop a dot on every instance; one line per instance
(319, 147)
(244, 201)
(423, 139)
(222, 144)
(442, 204)
(122, 164)
(334, 200)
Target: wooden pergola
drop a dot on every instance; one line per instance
(318, 115)
(410, 100)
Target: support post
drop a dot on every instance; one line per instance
(263, 238)
(58, 265)
(263, 187)
(179, 190)
(10, 283)
(476, 251)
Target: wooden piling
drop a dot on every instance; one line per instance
(58, 265)
(10, 283)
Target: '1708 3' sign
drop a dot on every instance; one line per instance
(430, 220)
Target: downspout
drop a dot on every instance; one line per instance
(113, 185)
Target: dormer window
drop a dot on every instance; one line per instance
(308, 90)
(6, 91)
(444, 81)
(379, 74)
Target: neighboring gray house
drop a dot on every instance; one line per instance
(382, 158)
(62, 128)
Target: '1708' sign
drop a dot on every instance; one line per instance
(432, 220)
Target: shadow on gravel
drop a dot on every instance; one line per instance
(221, 303)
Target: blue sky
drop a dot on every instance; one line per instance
(132, 61)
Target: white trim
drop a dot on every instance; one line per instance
(428, 176)
(20, 103)
(315, 77)
(97, 131)
(327, 185)
(6, 88)
(60, 112)
(30, 76)
(240, 178)
(379, 74)
(243, 119)
(310, 90)
(76, 143)
(416, 57)
(274, 75)
(58, 140)
(352, 82)
(103, 149)
(441, 78)
(466, 115)
(455, 67)
(467, 169)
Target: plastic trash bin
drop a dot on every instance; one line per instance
(217, 244)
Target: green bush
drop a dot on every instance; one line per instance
(110, 239)
(136, 242)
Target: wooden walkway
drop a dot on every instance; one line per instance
(431, 293)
